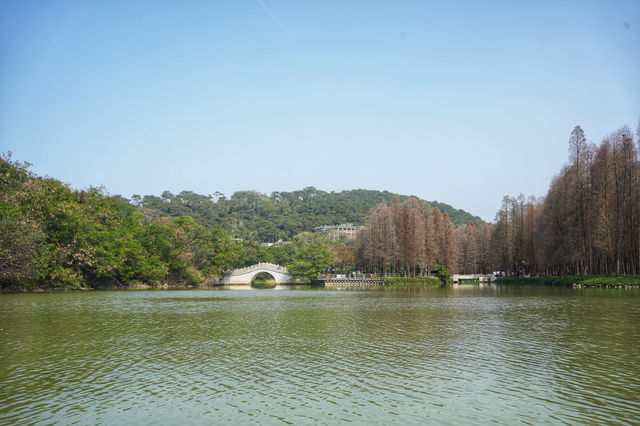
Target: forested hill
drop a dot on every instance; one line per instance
(281, 215)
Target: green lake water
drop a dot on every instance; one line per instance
(463, 355)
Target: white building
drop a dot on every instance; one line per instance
(335, 231)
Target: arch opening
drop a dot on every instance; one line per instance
(263, 280)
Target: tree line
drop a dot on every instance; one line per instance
(410, 238)
(587, 224)
(589, 221)
(53, 236)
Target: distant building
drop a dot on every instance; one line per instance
(335, 231)
(279, 242)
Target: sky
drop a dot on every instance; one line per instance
(459, 102)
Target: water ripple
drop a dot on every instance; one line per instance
(271, 357)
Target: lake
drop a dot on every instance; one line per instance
(462, 355)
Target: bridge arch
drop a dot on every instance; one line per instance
(262, 275)
(245, 276)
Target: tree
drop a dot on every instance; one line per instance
(406, 237)
(443, 272)
(23, 254)
(312, 255)
(579, 161)
(589, 221)
(54, 236)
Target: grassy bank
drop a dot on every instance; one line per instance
(570, 280)
(412, 282)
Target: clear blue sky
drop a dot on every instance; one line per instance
(461, 102)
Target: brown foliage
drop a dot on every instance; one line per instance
(589, 222)
(409, 238)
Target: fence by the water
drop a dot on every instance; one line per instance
(349, 282)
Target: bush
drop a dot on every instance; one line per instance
(443, 272)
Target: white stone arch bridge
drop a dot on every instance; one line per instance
(247, 275)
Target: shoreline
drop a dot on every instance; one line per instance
(575, 281)
(391, 283)
(13, 290)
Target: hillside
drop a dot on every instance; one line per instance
(281, 215)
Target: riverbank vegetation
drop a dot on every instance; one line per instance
(570, 280)
(54, 236)
(403, 282)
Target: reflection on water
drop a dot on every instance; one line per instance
(468, 354)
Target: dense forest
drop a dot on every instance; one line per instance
(53, 236)
(589, 221)
(251, 215)
(587, 224)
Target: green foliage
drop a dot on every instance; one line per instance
(52, 236)
(65, 277)
(22, 253)
(281, 254)
(612, 279)
(252, 252)
(251, 215)
(311, 255)
(443, 272)
(402, 283)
